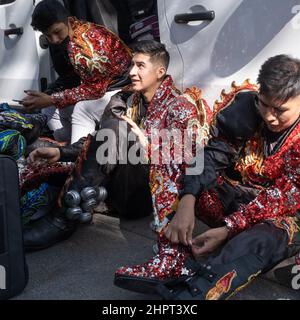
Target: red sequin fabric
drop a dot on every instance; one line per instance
(168, 109)
(32, 175)
(98, 56)
(167, 264)
(278, 177)
(209, 209)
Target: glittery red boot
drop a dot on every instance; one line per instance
(166, 268)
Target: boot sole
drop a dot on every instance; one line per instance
(144, 285)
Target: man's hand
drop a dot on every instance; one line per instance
(36, 100)
(180, 229)
(209, 241)
(136, 130)
(52, 155)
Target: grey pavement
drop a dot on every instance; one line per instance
(83, 266)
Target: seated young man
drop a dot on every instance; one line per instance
(97, 55)
(248, 193)
(153, 103)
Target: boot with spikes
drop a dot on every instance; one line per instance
(81, 192)
(87, 171)
(75, 203)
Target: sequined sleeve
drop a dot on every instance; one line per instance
(281, 199)
(106, 59)
(83, 92)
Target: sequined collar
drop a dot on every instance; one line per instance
(162, 97)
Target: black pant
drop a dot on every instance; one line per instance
(127, 184)
(264, 240)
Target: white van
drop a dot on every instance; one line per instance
(231, 46)
(211, 42)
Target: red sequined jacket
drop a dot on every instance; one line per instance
(168, 110)
(99, 57)
(276, 176)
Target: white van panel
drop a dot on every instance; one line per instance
(231, 47)
(22, 61)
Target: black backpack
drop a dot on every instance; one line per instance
(13, 267)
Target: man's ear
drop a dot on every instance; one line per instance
(71, 19)
(161, 72)
(70, 29)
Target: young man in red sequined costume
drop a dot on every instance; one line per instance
(153, 104)
(248, 193)
(97, 55)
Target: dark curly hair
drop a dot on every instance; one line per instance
(48, 12)
(279, 78)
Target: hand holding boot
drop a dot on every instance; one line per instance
(181, 227)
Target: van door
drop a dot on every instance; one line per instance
(227, 41)
(19, 53)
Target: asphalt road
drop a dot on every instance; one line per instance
(83, 266)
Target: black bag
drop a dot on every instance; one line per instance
(141, 8)
(13, 267)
